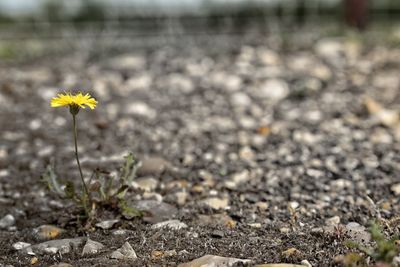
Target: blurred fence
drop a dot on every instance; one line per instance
(60, 19)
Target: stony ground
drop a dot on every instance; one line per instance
(258, 150)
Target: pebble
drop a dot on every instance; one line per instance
(92, 247)
(395, 189)
(237, 179)
(62, 264)
(20, 245)
(212, 260)
(46, 232)
(153, 166)
(126, 252)
(171, 224)
(306, 263)
(335, 220)
(240, 99)
(216, 203)
(62, 246)
(155, 211)
(358, 233)
(145, 184)
(107, 224)
(7, 221)
(216, 220)
(274, 89)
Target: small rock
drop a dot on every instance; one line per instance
(120, 232)
(45, 232)
(156, 254)
(7, 221)
(216, 203)
(216, 220)
(141, 109)
(240, 99)
(126, 252)
(237, 178)
(395, 189)
(291, 252)
(213, 261)
(358, 233)
(278, 265)
(171, 224)
(306, 263)
(92, 247)
(145, 184)
(284, 230)
(62, 264)
(217, 234)
(274, 89)
(254, 225)
(62, 246)
(153, 166)
(181, 197)
(335, 220)
(34, 260)
(155, 211)
(20, 245)
(107, 224)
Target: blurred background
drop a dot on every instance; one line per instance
(162, 21)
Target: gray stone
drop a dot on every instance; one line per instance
(145, 184)
(92, 247)
(358, 233)
(62, 246)
(213, 261)
(155, 211)
(153, 166)
(126, 252)
(107, 224)
(274, 89)
(20, 245)
(171, 224)
(216, 203)
(7, 221)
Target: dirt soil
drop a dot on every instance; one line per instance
(278, 140)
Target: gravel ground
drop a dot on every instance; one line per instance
(265, 151)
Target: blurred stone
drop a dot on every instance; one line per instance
(92, 247)
(128, 62)
(358, 233)
(155, 211)
(171, 224)
(240, 99)
(62, 246)
(274, 89)
(216, 220)
(20, 245)
(216, 203)
(145, 184)
(108, 224)
(7, 221)
(45, 232)
(212, 260)
(153, 166)
(126, 252)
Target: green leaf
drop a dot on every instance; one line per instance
(51, 180)
(129, 169)
(70, 190)
(127, 211)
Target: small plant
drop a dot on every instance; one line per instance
(102, 189)
(385, 249)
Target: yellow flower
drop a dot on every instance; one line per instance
(74, 101)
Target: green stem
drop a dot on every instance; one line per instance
(86, 191)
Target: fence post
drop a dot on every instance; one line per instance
(356, 13)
